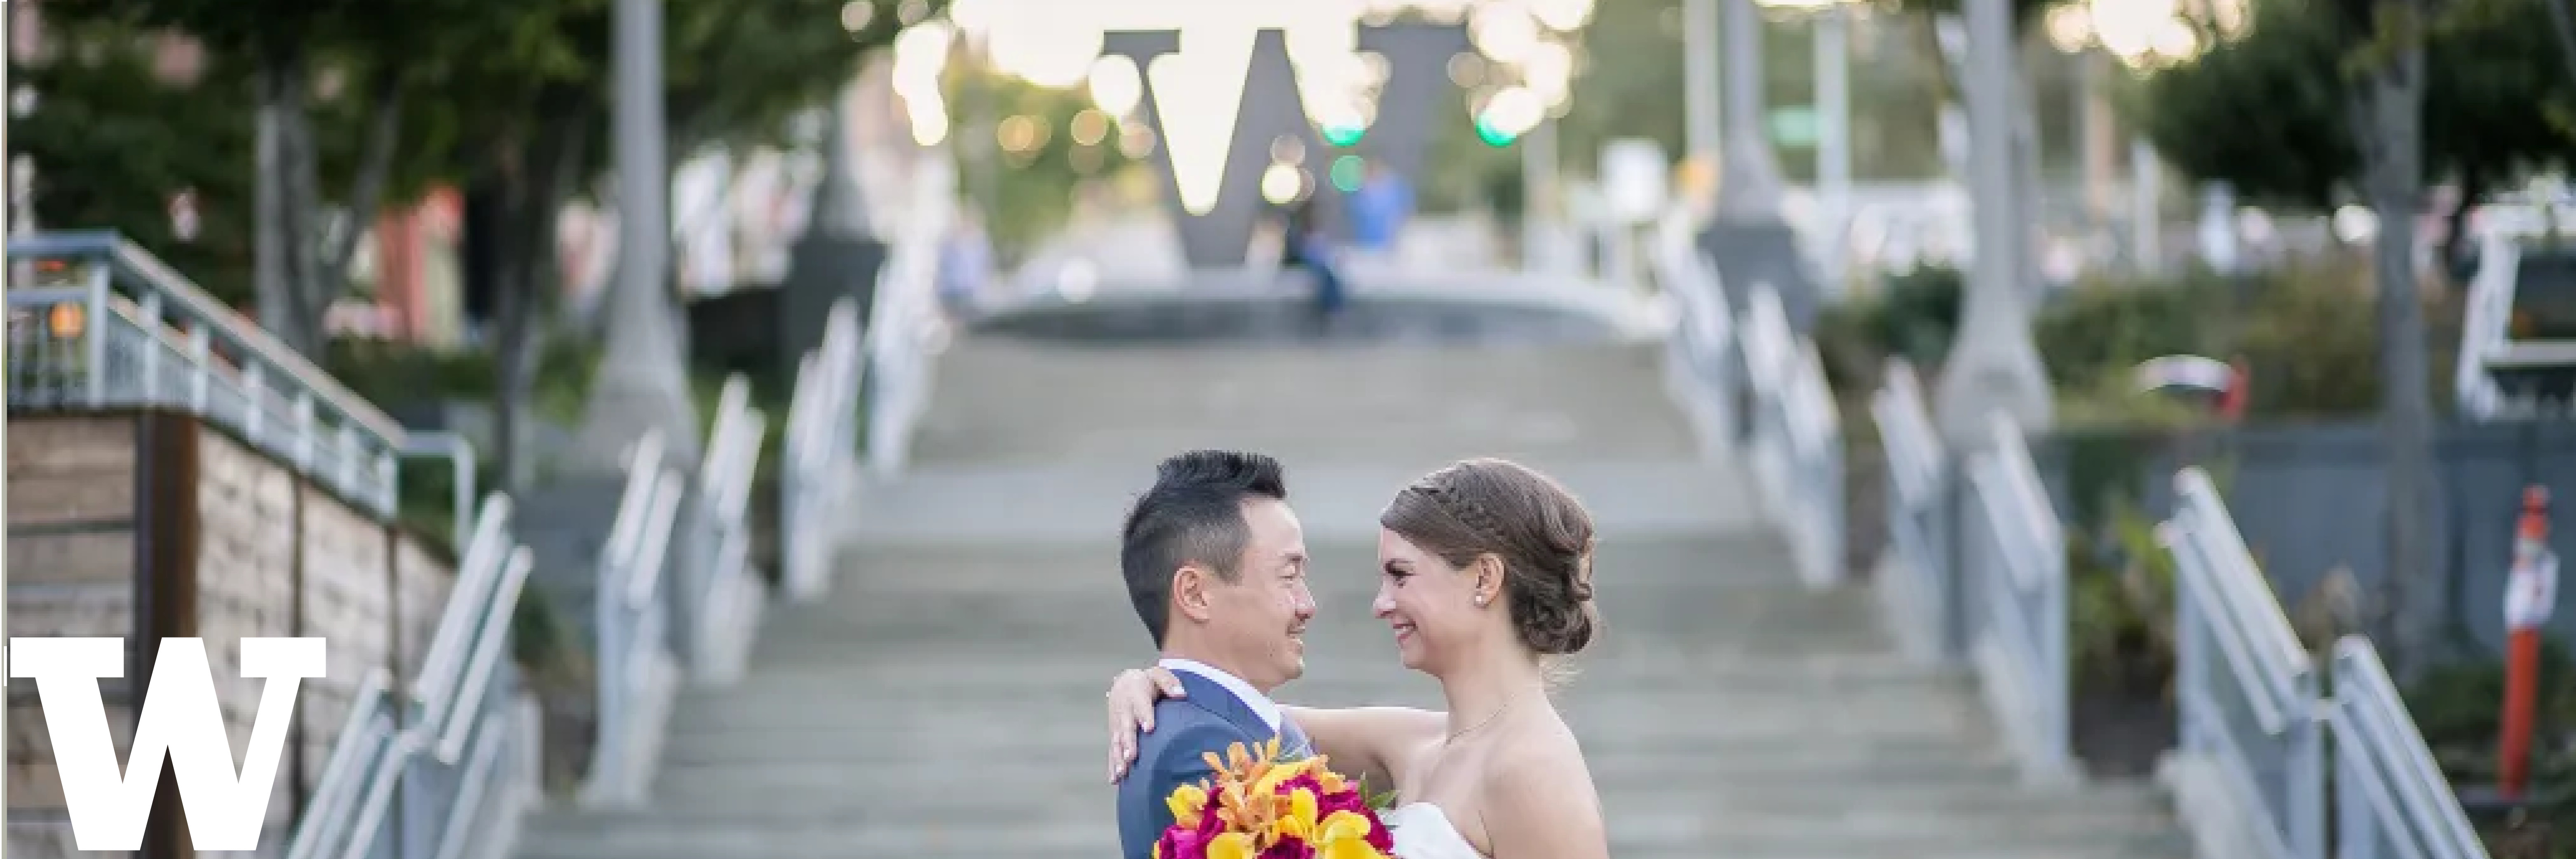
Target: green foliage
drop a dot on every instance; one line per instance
(2120, 607)
(2494, 81)
(1914, 316)
(1032, 191)
(112, 143)
(2096, 333)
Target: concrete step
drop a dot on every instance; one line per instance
(1076, 715)
(1070, 832)
(1298, 404)
(749, 760)
(1931, 788)
(939, 674)
(873, 572)
(1680, 604)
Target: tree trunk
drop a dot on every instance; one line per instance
(529, 282)
(303, 214)
(366, 192)
(2389, 127)
(272, 228)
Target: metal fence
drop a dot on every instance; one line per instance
(1979, 568)
(906, 328)
(2257, 718)
(816, 480)
(1796, 442)
(637, 671)
(453, 758)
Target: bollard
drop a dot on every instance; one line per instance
(2530, 589)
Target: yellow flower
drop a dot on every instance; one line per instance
(1343, 835)
(1232, 845)
(1279, 775)
(1296, 818)
(1186, 804)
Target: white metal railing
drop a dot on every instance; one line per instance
(1704, 363)
(2249, 763)
(1979, 568)
(1796, 436)
(2251, 769)
(2391, 799)
(104, 323)
(905, 325)
(817, 480)
(637, 674)
(724, 596)
(453, 759)
(2012, 585)
(1919, 589)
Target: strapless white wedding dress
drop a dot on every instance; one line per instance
(1423, 831)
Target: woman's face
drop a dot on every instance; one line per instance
(1430, 605)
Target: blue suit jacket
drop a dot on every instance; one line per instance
(1208, 720)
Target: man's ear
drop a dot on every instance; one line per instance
(1190, 593)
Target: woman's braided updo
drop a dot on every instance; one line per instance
(1542, 535)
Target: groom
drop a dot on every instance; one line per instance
(1216, 565)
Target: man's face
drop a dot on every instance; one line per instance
(1260, 618)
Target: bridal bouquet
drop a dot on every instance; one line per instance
(1257, 806)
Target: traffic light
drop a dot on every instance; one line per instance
(1344, 136)
(1492, 134)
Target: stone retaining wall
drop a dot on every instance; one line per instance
(150, 524)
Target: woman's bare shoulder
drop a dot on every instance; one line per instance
(1538, 799)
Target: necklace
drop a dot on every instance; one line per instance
(1488, 720)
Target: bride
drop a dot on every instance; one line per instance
(1485, 569)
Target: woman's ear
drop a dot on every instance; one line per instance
(1489, 578)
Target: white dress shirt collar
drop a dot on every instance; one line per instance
(1260, 704)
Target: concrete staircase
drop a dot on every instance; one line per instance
(944, 700)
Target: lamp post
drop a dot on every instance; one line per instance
(1749, 175)
(1995, 366)
(642, 384)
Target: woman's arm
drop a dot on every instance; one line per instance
(1539, 803)
(1367, 743)
(1361, 741)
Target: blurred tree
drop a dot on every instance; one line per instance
(115, 142)
(522, 126)
(2496, 105)
(2469, 90)
(327, 84)
(1036, 148)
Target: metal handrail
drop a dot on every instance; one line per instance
(2407, 801)
(905, 323)
(2017, 632)
(1920, 589)
(1980, 567)
(2389, 791)
(2235, 649)
(437, 750)
(126, 343)
(1796, 443)
(637, 673)
(822, 433)
(727, 586)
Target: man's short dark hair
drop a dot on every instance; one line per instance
(1193, 516)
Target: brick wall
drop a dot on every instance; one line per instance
(234, 545)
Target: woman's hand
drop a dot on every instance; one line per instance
(1131, 711)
